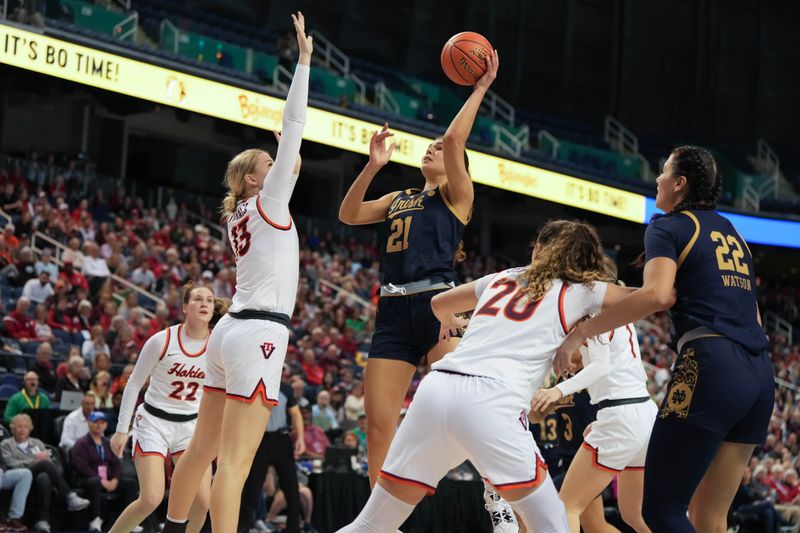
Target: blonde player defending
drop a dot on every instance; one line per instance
(248, 345)
(174, 361)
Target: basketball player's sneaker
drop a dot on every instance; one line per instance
(503, 519)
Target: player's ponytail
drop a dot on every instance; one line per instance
(242, 164)
(568, 250)
(699, 168)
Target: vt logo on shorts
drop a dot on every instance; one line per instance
(267, 348)
(679, 395)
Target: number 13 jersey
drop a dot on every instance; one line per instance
(267, 255)
(514, 340)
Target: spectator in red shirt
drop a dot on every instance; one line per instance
(11, 241)
(312, 369)
(316, 439)
(19, 325)
(787, 501)
(72, 277)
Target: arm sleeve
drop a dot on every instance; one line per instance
(482, 284)
(660, 239)
(598, 367)
(147, 361)
(279, 184)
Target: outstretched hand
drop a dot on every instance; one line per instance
(379, 153)
(304, 43)
(492, 63)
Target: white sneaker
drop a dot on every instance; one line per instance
(42, 526)
(500, 511)
(76, 503)
(96, 525)
(260, 526)
(137, 529)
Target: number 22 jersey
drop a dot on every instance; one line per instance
(715, 281)
(176, 366)
(514, 340)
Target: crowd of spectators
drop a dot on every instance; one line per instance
(70, 325)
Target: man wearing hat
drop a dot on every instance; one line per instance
(99, 470)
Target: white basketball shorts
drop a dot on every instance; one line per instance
(245, 358)
(619, 437)
(152, 435)
(455, 417)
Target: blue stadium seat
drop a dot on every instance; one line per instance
(7, 391)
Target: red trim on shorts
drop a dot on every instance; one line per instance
(260, 390)
(595, 462)
(267, 219)
(630, 339)
(209, 388)
(611, 335)
(561, 315)
(176, 454)
(405, 481)
(166, 345)
(137, 451)
(634, 468)
(535, 482)
(187, 354)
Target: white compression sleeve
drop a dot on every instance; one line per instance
(382, 512)
(599, 356)
(279, 184)
(145, 363)
(542, 511)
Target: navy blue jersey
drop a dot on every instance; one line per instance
(715, 282)
(422, 233)
(562, 430)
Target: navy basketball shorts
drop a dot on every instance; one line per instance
(719, 386)
(405, 328)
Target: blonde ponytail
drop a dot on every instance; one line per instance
(243, 163)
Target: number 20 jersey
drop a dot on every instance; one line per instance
(514, 340)
(176, 382)
(267, 259)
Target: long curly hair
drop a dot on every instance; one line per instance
(704, 180)
(568, 250)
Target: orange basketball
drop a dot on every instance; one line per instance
(464, 57)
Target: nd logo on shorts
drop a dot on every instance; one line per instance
(679, 395)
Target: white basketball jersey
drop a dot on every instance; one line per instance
(626, 377)
(267, 259)
(513, 340)
(176, 382)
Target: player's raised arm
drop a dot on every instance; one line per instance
(459, 188)
(280, 180)
(354, 210)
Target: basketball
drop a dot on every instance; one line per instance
(464, 57)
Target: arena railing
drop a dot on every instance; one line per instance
(59, 249)
(774, 322)
(355, 298)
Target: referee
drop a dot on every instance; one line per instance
(276, 450)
